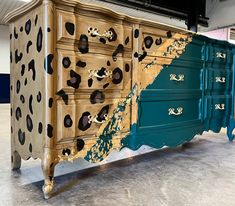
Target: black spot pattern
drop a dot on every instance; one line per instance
(158, 41)
(10, 36)
(47, 63)
(30, 148)
(11, 112)
(102, 113)
(119, 49)
(30, 104)
(68, 122)
(70, 28)
(66, 152)
(114, 36)
(127, 67)
(18, 113)
(17, 86)
(83, 45)
(75, 80)
(106, 85)
(97, 97)
(29, 123)
(18, 57)
(90, 82)
(22, 70)
(31, 66)
(80, 144)
(136, 33)
(36, 20)
(117, 76)
(148, 41)
(25, 81)
(101, 72)
(39, 97)
(102, 40)
(136, 55)
(141, 57)
(169, 34)
(15, 33)
(50, 102)
(27, 27)
(28, 45)
(22, 99)
(48, 29)
(127, 40)
(108, 63)
(81, 64)
(21, 137)
(40, 128)
(49, 130)
(11, 57)
(83, 123)
(66, 62)
(39, 40)
(63, 95)
(21, 28)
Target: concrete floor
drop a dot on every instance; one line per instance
(201, 173)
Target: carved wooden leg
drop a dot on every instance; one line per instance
(15, 160)
(48, 166)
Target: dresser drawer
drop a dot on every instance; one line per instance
(84, 117)
(165, 112)
(219, 54)
(86, 71)
(218, 80)
(218, 106)
(71, 27)
(170, 77)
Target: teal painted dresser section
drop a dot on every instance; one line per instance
(202, 101)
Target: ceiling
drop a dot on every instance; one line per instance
(8, 5)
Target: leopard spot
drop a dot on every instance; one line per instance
(70, 28)
(47, 63)
(29, 123)
(39, 39)
(27, 27)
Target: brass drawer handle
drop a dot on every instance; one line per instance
(95, 120)
(95, 32)
(220, 79)
(220, 55)
(94, 73)
(171, 111)
(219, 107)
(174, 78)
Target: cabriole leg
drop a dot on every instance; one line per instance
(15, 160)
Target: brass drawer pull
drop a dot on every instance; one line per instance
(95, 32)
(174, 78)
(94, 73)
(220, 79)
(219, 107)
(171, 111)
(220, 55)
(95, 120)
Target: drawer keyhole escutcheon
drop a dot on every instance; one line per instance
(95, 119)
(220, 55)
(179, 78)
(94, 32)
(171, 111)
(220, 79)
(219, 107)
(94, 73)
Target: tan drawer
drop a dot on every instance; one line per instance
(71, 27)
(83, 117)
(76, 71)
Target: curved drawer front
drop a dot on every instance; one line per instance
(218, 80)
(88, 117)
(162, 113)
(73, 27)
(77, 71)
(171, 77)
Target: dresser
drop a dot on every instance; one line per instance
(86, 80)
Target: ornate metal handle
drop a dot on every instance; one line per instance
(174, 78)
(171, 111)
(149, 65)
(220, 79)
(94, 119)
(95, 32)
(220, 55)
(94, 73)
(219, 106)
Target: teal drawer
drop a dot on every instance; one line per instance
(160, 113)
(219, 54)
(218, 79)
